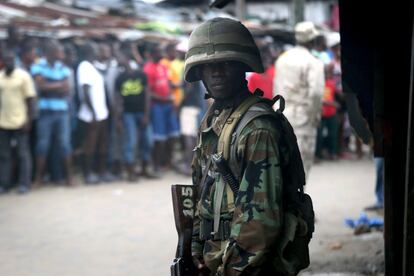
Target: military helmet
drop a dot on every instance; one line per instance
(221, 39)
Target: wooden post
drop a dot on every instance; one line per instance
(241, 9)
(408, 255)
(299, 10)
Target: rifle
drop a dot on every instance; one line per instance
(184, 208)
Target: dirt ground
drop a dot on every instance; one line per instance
(341, 190)
(128, 229)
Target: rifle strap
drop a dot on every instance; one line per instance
(223, 147)
(205, 173)
(252, 108)
(218, 198)
(225, 141)
(231, 123)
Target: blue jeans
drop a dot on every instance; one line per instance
(53, 123)
(164, 121)
(131, 125)
(379, 182)
(114, 144)
(23, 156)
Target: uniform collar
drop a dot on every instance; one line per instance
(220, 111)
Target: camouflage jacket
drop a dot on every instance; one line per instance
(253, 215)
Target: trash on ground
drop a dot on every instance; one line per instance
(364, 224)
(335, 245)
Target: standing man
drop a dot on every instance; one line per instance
(108, 66)
(93, 116)
(234, 232)
(14, 42)
(17, 95)
(300, 80)
(379, 185)
(191, 109)
(264, 81)
(134, 101)
(175, 68)
(27, 56)
(329, 120)
(163, 117)
(52, 81)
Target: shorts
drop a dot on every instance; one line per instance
(164, 121)
(189, 120)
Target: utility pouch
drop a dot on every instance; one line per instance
(206, 228)
(224, 230)
(292, 252)
(307, 214)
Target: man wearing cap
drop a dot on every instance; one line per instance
(234, 233)
(300, 80)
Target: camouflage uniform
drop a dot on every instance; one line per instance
(251, 225)
(250, 221)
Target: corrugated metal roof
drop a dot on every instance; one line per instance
(60, 21)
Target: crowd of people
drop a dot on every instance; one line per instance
(102, 106)
(308, 76)
(115, 109)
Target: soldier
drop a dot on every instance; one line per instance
(234, 231)
(300, 80)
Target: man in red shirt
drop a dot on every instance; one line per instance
(163, 116)
(263, 81)
(328, 126)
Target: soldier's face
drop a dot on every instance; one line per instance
(222, 79)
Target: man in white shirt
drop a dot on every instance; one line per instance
(300, 80)
(108, 66)
(93, 115)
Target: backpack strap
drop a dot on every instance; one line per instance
(223, 147)
(248, 110)
(261, 108)
(255, 111)
(252, 113)
(251, 108)
(224, 141)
